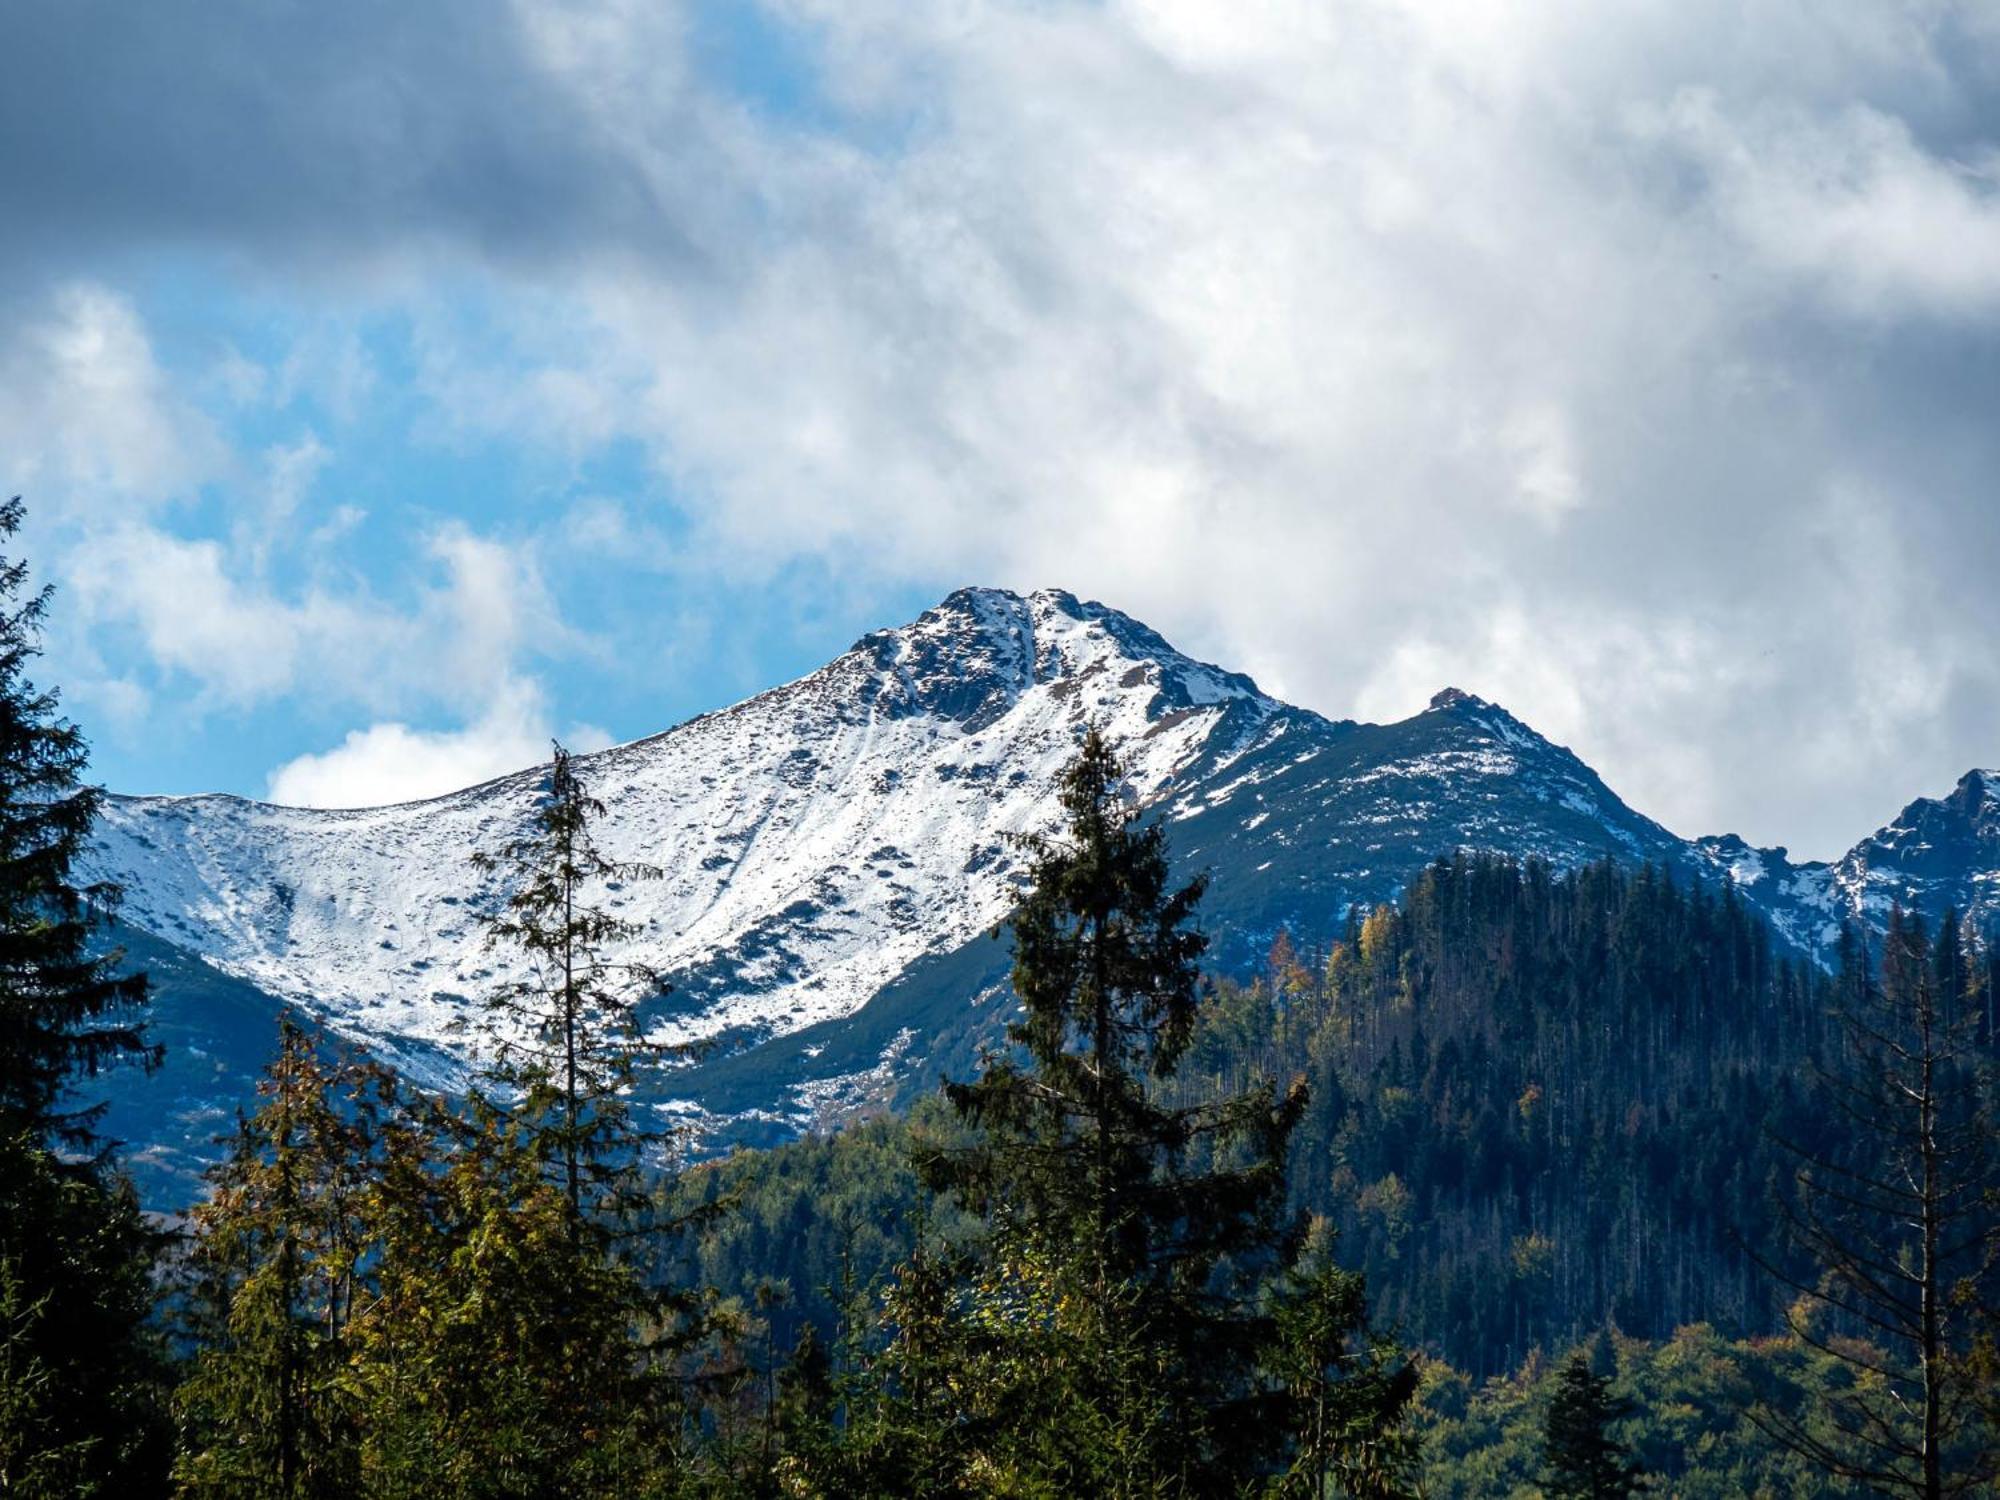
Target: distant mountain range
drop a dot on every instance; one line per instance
(836, 855)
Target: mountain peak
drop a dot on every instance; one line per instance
(1978, 788)
(1469, 711)
(833, 850)
(1452, 697)
(974, 653)
(1969, 809)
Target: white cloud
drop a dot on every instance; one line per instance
(89, 423)
(242, 642)
(238, 644)
(459, 646)
(391, 762)
(1389, 346)
(1851, 202)
(293, 469)
(95, 429)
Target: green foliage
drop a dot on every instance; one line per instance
(1096, 1337)
(1680, 1407)
(1584, 1462)
(265, 1408)
(505, 1355)
(79, 1374)
(550, 1361)
(1116, 1327)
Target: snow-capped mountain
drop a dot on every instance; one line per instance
(1940, 856)
(814, 841)
(834, 851)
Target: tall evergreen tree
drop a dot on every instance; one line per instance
(66, 1011)
(565, 1038)
(550, 1208)
(1347, 1391)
(1584, 1461)
(1118, 1326)
(74, 1248)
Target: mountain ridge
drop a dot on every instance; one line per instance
(836, 848)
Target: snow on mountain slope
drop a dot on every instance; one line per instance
(835, 849)
(815, 840)
(1939, 855)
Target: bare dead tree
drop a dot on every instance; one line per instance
(1896, 1222)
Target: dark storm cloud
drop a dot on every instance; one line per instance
(319, 133)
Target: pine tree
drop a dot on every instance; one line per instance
(65, 1012)
(74, 1247)
(1115, 1330)
(277, 1267)
(1584, 1461)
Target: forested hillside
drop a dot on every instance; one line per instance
(1541, 1104)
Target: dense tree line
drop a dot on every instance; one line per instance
(1629, 1416)
(1544, 1103)
(1540, 1104)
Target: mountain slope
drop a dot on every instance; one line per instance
(835, 850)
(815, 840)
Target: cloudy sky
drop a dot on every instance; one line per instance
(393, 386)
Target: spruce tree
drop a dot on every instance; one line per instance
(1117, 1329)
(66, 1011)
(74, 1248)
(1347, 1390)
(1584, 1461)
(561, 1354)
(564, 1039)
